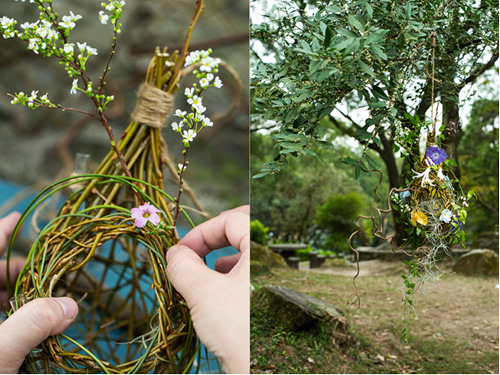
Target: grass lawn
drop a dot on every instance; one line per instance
(456, 329)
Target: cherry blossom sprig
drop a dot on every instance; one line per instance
(193, 122)
(49, 36)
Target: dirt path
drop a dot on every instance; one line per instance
(456, 329)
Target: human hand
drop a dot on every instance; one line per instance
(219, 300)
(32, 323)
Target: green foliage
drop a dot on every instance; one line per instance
(258, 232)
(374, 54)
(286, 202)
(337, 215)
(479, 161)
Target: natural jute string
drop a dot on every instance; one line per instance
(153, 106)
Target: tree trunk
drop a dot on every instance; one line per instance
(387, 155)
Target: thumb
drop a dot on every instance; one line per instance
(30, 325)
(187, 272)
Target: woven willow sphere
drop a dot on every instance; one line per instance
(131, 320)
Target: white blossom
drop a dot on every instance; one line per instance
(74, 87)
(189, 135)
(207, 121)
(103, 17)
(68, 48)
(217, 82)
(177, 126)
(426, 180)
(91, 50)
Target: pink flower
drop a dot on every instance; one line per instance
(143, 214)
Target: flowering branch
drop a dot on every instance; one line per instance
(49, 36)
(196, 120)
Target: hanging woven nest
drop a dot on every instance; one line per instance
(131, 319)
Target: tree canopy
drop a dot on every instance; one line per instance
(387, 73)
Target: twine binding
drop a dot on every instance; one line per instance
(153, 106)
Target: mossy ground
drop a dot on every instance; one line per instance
(456, 329)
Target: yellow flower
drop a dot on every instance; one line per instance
(418, 217)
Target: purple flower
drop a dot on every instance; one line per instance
(435, 155)
(143, 214)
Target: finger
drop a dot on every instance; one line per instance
(244, 209)
(188, 273)
(226, 264)
(7, 225)
(230, 228)
(30, 325)
(16, 265)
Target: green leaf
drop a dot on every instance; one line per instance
(379, 93)
(372, 162)
(366, 68)
(260, 175)
(357, 21)
(362, 135)
(349, 161)
(291, 115)
(346, 32)
(408, 10)
(357, 172)
(378, 52)
(326, 111)
(325, 74)
(452, 162)
(328, 37)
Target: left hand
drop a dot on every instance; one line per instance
(32, 323)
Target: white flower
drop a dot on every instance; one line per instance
(103, 17)
(425, 177)
(440, 174)
(446, 215)
(33, 44)
(192, 58)
(74, 87)
(210, 76)
(75, 17)
(6, 21)
(114, 4)
(180, 113)
(218, 82)
(189, 92)
(207, 64)
(181, 167)
(207, 121)
(204, 83)
(32, 98)
(68, 48)
(177, 126)
(195, 100)
(199, 108)
(53, 34)
(45, 98)
(189, 135)
(67, 23)
(91, 51)
(9, 34)
(82, 46)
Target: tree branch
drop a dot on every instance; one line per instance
(472, 78)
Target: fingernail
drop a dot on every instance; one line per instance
(69, 307)
(172, 251)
